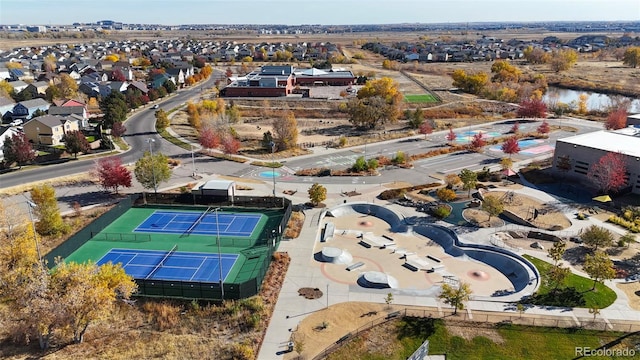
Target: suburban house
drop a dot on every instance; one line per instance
(6, 133)
(6, 104)
(20, 75)
(4, 73)
(139, 85)
(18, 85)
(24, 110)
(177, 74)
(160, 79)
(49, 129)
(72, 108)
(38, 88)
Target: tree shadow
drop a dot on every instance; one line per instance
(566, 297)
(416, 327)
(576, 255)
(89, 198)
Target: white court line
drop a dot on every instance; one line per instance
(198, 269)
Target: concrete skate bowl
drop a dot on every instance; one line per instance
(521, 273)
(377, 280)
(524, 277)
(389, 216)
(334, 255)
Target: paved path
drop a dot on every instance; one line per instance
(291, 309)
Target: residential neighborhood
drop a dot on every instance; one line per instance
(280, 192)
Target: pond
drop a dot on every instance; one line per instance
(596, 101)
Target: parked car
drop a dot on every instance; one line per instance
(16, 122)
(155, 106)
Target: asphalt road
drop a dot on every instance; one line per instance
(140, 128)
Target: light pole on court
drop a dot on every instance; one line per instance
(219, 253)
(31, 205)
(193, 161)
(150, 141)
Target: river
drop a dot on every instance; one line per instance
(596, 101)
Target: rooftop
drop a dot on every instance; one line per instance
(625, 140)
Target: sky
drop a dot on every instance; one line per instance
(325, 12)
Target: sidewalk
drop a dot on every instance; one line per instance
(291, 309)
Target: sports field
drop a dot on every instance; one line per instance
(420, 98)
(181, 244)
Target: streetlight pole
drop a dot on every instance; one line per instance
(150, 141)
(31, 205)
(219, 253)
(193, 161)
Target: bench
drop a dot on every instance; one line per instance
(365, 244)
(355, 266)
(434, 258)
(388, 237)
(392, 315)
(410, 266)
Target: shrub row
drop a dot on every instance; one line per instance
(629, 225)
(396, 193)
(228, 157)
(271, 164)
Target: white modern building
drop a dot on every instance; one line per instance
(586, 149)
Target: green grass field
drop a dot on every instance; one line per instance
(576, 293)
(420, 98)
(501, 342)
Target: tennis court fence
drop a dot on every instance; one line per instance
(121, 237)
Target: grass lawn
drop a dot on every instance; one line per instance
(577, 292)
(500, 342)
(420, 98)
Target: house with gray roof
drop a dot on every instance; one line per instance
(49, 129)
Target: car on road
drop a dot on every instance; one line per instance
(156, 106)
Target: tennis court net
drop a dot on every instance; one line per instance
(120, 237)
(161, 263)
(195, 223)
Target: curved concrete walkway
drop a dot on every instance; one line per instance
(291, 309)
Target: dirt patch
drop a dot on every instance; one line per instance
(543, 215)
(337, 320)
(310, 293)
(397, 185)
(470, 332)
(632, 290)
(481, 218)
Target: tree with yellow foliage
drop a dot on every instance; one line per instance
(378, 102)
(286, 131)
(112, 57)
(6, 89)
(582, 103)
(43, 304)
(563, 59)
(503, 71)
(87, 293)
(47, 211)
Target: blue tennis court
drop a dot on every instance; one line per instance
(203, 223)
(166, 265)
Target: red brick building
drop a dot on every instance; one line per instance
(274, 81)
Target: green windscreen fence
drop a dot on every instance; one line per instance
(116, 229)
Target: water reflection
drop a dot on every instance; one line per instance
(596, 101)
